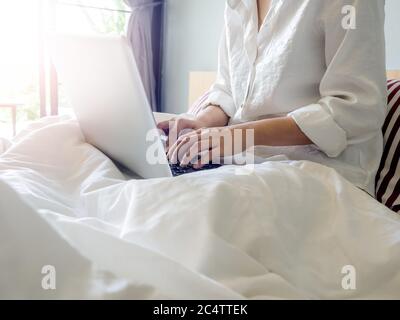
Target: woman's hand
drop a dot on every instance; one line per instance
(212, 116)
(203, 146)
(176, 127)
(179, 124)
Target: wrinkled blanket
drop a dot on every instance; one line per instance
(286, 230)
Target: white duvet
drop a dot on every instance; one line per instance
(284, 231)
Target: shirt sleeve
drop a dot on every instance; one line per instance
(353, 89)
(220, 93)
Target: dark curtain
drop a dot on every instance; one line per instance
(145, 33)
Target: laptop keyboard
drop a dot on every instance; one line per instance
(177, 170)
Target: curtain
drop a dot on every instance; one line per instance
(145, 29)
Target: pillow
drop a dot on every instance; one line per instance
(388, 176)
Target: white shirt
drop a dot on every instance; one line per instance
(308, 62)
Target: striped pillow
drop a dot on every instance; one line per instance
(388, 176)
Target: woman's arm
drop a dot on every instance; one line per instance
(275, 132)
(353, 90)
(212, 116)
(211, 144)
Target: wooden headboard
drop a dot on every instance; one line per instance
(393, 74)
(199, 83)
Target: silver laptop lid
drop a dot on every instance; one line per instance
(105, 88)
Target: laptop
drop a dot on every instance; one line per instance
(103, 84)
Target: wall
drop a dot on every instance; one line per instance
(193, 29)
(192, 32)
(392, 34)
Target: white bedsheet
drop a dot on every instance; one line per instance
(284, 231)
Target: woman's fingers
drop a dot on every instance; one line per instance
(179, 127)
(172, 154)
(203, 158)
(195, 150)
(164, 125)
(178, 149)
(206, 157)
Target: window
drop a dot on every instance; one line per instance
(18, 61)
(87, 17)
(27, 77)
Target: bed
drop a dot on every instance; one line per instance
(287, 230)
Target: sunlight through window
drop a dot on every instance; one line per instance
(23, 25)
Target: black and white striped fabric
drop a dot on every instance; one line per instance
(388, 176)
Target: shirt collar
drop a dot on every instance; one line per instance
(247, 11)
(240, 5)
